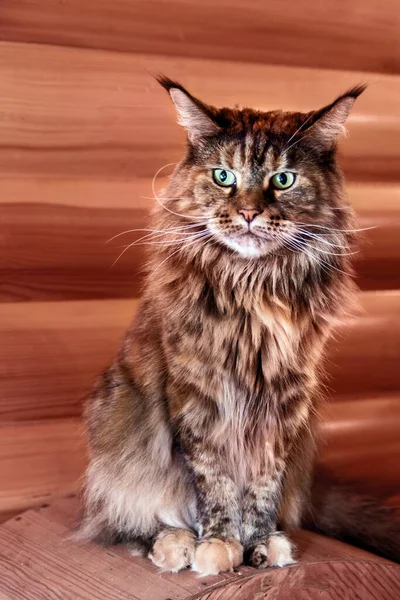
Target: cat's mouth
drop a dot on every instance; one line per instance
(250, 244)
(254, 235)
(252, 240)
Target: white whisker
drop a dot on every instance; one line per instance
(306, 249)
(285, 148)
(315, 236)
(161, 204)
(332, 253)
(176, 251)
(294, 248)
(162, 198)
(165, 243)
(306, 134)
(332, 229)
(177, 229)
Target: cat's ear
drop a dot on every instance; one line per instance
(194, 115)
(328, 123)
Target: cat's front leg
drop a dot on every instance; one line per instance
(264, 545)
(218, 510)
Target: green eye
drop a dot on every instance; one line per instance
(283, 181)
(224, 178)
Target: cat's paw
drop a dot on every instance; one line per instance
(275, 551)
(173, 549)
(213, 556)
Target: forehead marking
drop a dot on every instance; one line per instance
(249, 151)
(251, 156)
(237, 157)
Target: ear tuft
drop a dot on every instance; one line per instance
(329, 122)
(354, 91)
(193, 114)
(168, 83)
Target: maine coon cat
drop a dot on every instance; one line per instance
(202, 431)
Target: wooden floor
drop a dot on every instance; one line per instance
(40, 561)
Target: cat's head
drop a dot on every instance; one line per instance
(258, 182)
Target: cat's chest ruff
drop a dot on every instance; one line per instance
(244, 441)
(267, 332)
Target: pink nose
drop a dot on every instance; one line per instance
(249, 214)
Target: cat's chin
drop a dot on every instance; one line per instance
(248, 246)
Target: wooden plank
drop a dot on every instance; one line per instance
(42, 562)
(39, 461)
(51, 352)
(129, 193)
(361, 442)
(338, 35)
(333, 580)
(54, 233)
(362, 357)
(80, 114)
(61, 252)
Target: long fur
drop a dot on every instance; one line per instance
(342, 511)
(205, 421)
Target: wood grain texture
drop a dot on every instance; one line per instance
(54, 233)
(61, 252)
(71, 113)
(51, 352)
(39, 461)
(361, 444)
(40, 561)
(363, 355)
(358, 35)
(338, 579)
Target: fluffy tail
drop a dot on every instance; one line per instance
(339, 511)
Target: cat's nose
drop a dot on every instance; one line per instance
(249, 214)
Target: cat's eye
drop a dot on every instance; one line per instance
(224, 177)
(284, 180)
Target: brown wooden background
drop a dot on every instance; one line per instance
(83, 129)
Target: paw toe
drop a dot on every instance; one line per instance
(173, 550)
(279, 551)
(213, 556)
(276, 551)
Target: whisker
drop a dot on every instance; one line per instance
(306, 134)
(332, 229)
(169, 230)
(176, 251)
(333, 253)
(162, 197)
(317, 249)
(166, 243)
(159, 201)
(315, 236)
(285, 148)
(294, 248)
(122, 253)
(318, 259)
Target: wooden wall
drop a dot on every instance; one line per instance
(84, 128)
